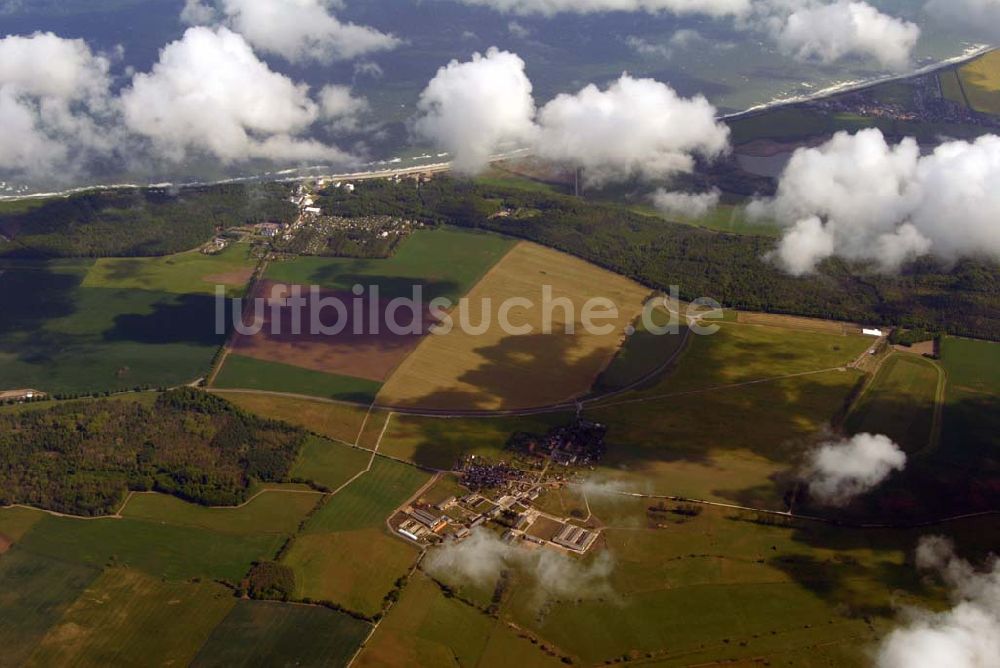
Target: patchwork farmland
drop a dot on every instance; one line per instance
(497, 370)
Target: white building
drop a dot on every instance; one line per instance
(872, 332)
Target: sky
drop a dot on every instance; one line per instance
(168, 86)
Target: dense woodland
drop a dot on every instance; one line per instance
(82, 457)
(137, 222)
(963, 299)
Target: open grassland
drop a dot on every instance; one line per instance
(369, 501)
(240, 372)
(951, 87)
(272, 512)
(498, 370)
(981, 82)
(900, 402)
(126, 618)
(338, 422)
(643, 352)
(800, 324)
(426, 628)
(160, 550)
(192, 272)
(354, 569)
(720, 587)
(34, 592)
(972, 365)
(262, 633)
(440, 443)
(14, 523)
(60, 337)
(446, 262)
(741, 407)
(329, 464)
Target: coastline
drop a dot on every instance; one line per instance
(298, 174)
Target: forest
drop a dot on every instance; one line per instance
(83, 457)
(963, 299)
(138, 222)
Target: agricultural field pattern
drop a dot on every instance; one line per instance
(500, 374)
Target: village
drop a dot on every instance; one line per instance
(502, 496)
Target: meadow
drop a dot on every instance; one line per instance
(981, 83)
(344, 554)
(354, 569)
(36, 591)
(466, 369)
(249, 373)
(721, 587)
(900, 402)
(160, 550)
(329, 464)
(261, 633)
(58, 336)
(192, 272)
(274, 511)
(737, 412)
(446, 262)
(125, 617)
(339, 422)
(427, 628)
(368, 501)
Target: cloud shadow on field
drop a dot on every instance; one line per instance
(34, 293)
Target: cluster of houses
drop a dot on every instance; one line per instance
(580, 443)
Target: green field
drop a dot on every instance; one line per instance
(260, 633)
(36, 590)
(354, 569)
(973, 365)
(125, 618)
(689, 433)
(951, 87)
(426, 628)
(900, 402)
(329, 464)
(369, 501)
(248, 373)
(160, 550)
(339, 422)
(717, 587)
(185, 273)
(981, 82)
(272, 512)
(60, 337)
(446, 262)
(643, 353)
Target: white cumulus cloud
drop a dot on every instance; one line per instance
(53, 92)
(830, 32)
(297, 30)
(839, 471)
(860, 198)
(210, 93)
(482, 556)
(552, 7)
(471, 109)
(635, 127)
(967, 635)
(690, 205)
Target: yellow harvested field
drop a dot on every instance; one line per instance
(527, 365)
(981, 80)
